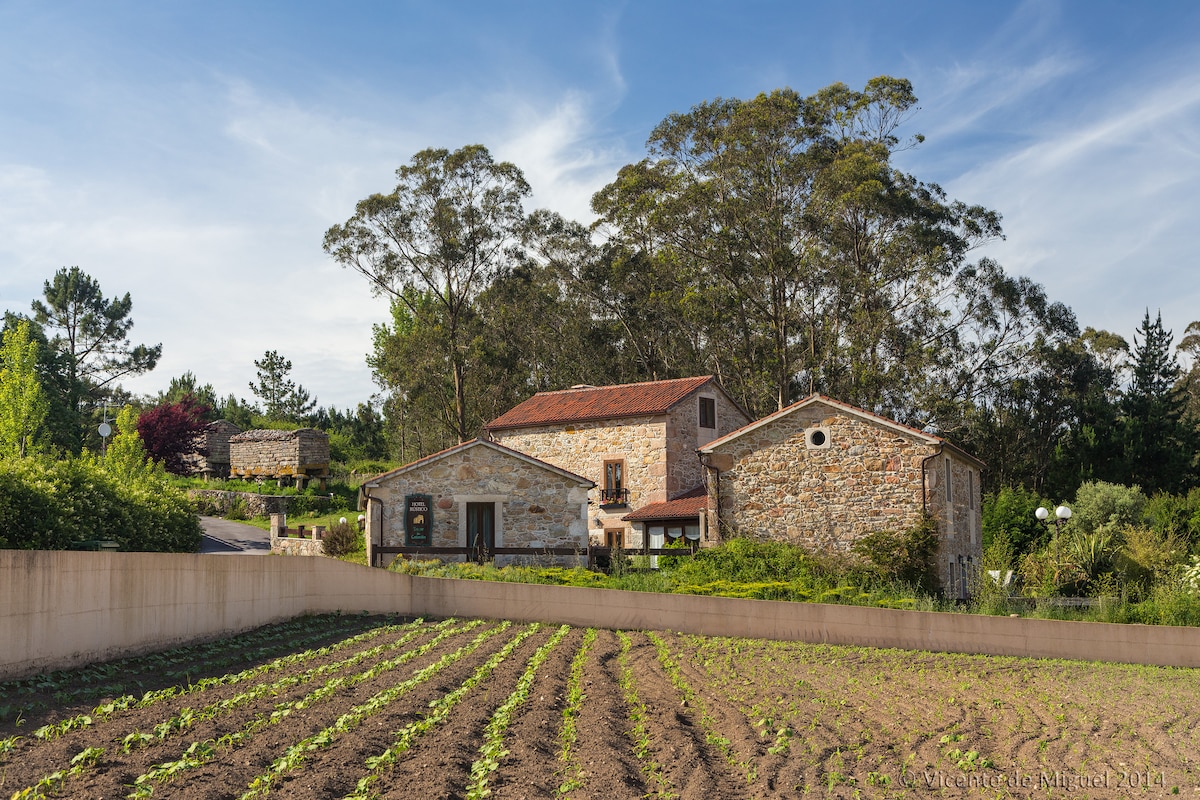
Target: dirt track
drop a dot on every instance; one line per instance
(660, 715)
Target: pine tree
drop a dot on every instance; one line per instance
(1159, 447)
(282, 398)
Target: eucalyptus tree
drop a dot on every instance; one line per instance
(444, 232)
(813, 264)
(1189, 347)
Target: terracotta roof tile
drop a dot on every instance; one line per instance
(591, 403)
(689, 504)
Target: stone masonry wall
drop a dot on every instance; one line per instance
(292, 541)
(582, 448)
(215, 501)
(536, 507)
(960, 519)
(213, 441)
(684, 435)
(868, 479)
(279, 454)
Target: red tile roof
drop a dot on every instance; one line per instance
(689, 504)
(591, 403)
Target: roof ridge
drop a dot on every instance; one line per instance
(621, 385)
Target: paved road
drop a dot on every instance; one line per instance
(222, 537)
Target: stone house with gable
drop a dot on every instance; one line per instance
(822, 473)
(637, 442)
(481, 495)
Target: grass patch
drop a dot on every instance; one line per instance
(738, 568)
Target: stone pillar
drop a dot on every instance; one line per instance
(318, 532)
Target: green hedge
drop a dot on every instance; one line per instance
(47, 504)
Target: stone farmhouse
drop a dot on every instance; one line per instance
(637, 442)
(823, 473)
(481, 495)
(648, 464)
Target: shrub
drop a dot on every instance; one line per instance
(743, 560)
(1010, 514)
(47, 504)
(237, 509)
(908, 557)
(169, 431)
(1176, 515)
(1107, 506)
(1149, 554)
(342, 539)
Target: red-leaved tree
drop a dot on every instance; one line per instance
(169, 431)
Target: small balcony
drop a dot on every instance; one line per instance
(614, 498)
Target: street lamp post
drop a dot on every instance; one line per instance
(1061, 515)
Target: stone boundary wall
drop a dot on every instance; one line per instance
(256, 504)
(63, 609)
(298, 541)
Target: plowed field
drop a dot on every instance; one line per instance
(338, 706)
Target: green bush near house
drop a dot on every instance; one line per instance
(342, 539)
(905, 557)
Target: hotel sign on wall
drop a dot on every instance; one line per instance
(418, 520)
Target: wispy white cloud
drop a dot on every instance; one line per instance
(560, 159)
(1100, 208)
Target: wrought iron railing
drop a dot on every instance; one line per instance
(614, 497)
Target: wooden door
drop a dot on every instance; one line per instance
(481, 530)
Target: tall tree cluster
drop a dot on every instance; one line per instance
(771, 242)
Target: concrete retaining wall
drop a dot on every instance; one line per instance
(66, 609)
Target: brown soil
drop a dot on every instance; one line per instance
(721, 718)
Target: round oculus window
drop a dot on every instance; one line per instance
(817, 438)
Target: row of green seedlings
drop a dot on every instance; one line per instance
(106, 711)
(56, 680)
(745, 680)
(640, 732)
(694, 701)
(50, 783)
(440, 710)
(163, 663)
(572, 769)
(741, 671)
(187, 717)
(493, 736)
(261, 643)
(198, 753)
(294, 757)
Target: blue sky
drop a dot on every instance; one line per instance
(194, 153)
